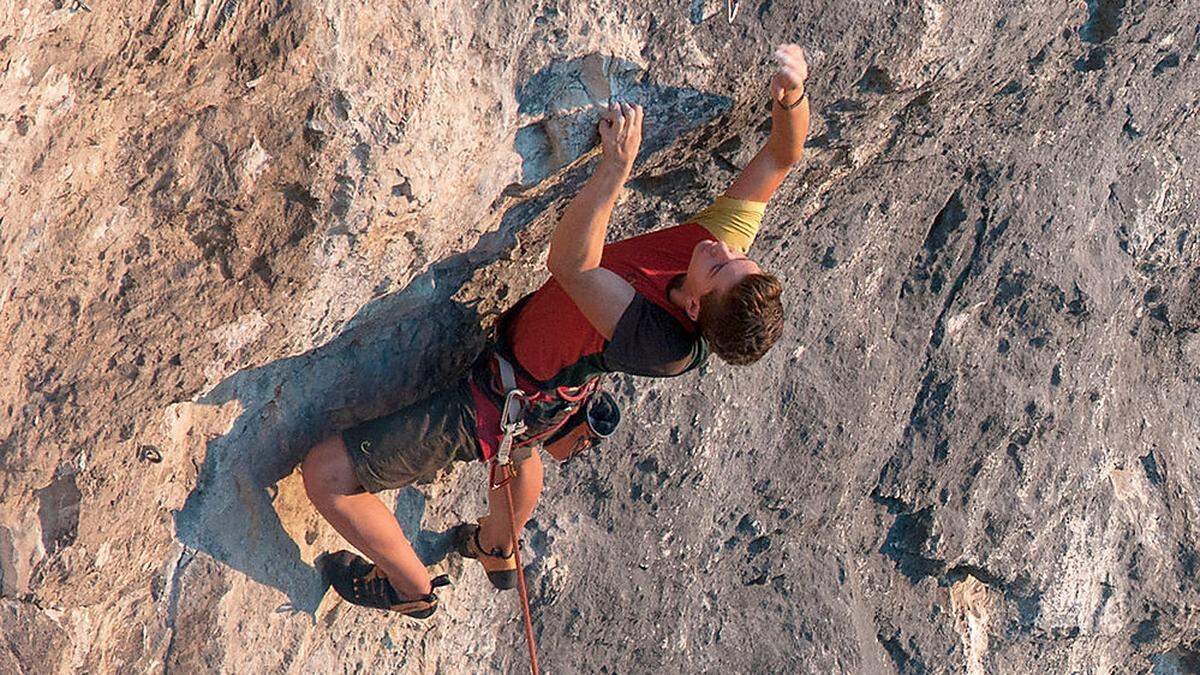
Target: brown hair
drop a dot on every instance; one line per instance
(742, 323)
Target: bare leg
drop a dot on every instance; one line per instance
(361, 517)
(526, 488)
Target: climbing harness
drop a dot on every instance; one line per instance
(512, 423)
(533, 411)
(568, 419)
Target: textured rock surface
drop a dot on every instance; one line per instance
(230, 227)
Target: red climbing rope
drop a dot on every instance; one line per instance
(512, 424)
(512, 523)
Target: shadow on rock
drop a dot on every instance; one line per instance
(431, 547)
(396, 350)
(392, 351)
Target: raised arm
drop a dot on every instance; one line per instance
(578, 240)
(789, 129)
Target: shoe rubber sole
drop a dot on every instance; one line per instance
(466, 543)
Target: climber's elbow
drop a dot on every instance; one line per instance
(563, 267)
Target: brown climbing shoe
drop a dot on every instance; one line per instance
(501, 569)
(362, 583)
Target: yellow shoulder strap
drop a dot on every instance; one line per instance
(733, 221)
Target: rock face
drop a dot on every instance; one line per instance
(229, 228)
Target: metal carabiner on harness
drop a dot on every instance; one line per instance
(512, 424)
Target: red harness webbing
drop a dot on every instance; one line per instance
(492, 383)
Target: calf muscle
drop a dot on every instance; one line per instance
(360, 517)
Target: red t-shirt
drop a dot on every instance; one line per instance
(551, 338)
(554, 342)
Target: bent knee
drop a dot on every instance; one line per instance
(328, 471)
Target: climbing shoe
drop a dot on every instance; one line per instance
(501, 569)
(362, 583)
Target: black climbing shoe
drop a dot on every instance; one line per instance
(362, 583)
(501, 569)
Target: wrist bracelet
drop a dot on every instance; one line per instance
(793, 104)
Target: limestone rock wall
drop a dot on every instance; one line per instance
(228, 228)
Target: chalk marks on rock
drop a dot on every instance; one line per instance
(561, 104)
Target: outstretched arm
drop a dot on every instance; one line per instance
(789, 128)
(578, 241)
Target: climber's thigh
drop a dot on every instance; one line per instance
(415, 442)
(328, 470)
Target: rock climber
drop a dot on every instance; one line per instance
(652, 305)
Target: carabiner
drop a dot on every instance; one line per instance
(512, 417)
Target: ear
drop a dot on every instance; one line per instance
(693, 307)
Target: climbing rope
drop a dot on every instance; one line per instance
(501, 473)
(516, 544)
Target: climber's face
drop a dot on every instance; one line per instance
(714, 268)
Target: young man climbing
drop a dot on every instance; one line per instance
(652, 305)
